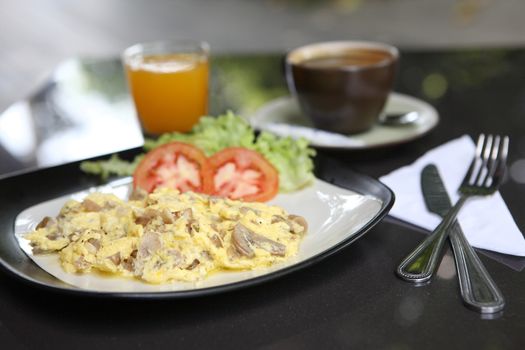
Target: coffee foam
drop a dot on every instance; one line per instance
(339, 48)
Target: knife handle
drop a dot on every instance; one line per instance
(478, 290)
(419, 266)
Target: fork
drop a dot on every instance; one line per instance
(483, 178)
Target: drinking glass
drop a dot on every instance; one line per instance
(168, 81)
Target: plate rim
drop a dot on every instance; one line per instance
(376, 188)
(284, 99)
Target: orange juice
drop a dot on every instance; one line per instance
(170, 90)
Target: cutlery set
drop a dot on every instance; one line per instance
(485, 174)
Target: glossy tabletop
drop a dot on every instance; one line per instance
(350, 300)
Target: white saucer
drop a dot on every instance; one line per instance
(283, 117)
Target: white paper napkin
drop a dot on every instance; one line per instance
(486, 221)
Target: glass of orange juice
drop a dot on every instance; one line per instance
(169, 83)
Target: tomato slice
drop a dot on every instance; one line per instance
(240, 173)
(177, 165)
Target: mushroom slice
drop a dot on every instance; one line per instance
(54, 236)
(94, 242)
(300, 221)
(243, 239)
(193, 264)
(148, 215)
(115, 258)
(217, 242)
(278, 218)
(188, 215)
(245, 210)
(150, 244)
(127, 264)
(46, 222)
(91, 206)
(167, 216)
(92, 245)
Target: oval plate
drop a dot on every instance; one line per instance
(339, 209)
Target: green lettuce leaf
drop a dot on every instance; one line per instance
(112, 166)
(212, 134)
(292, 158)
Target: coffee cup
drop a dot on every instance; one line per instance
(342, 86)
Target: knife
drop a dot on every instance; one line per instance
(478, 290)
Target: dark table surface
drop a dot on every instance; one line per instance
(352, 299)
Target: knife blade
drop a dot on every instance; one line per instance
(478, 290)
(434, 192)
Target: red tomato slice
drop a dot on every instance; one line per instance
(240, 173)
(177, 165)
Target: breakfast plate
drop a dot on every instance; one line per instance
(282, 116)
(340, 207)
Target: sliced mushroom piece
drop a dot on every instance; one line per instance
(167, 216)
(46, 222)
(188, 215)
(148, 215)
(128, 264)
(115, 258)
(243, 239)
(300, 221)
(245, 210)
(54, 236)
(37, 250)
(74, 236)
(193, 264)
(94, 242)
(217, 242)
(275, 248)
(91, 206)
(92, 245)
(278, 218)
(150, 244)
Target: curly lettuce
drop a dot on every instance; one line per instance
(292, 158)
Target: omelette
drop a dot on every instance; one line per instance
(167, 236)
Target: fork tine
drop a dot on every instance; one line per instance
(482, 170)
(492, 162)
(479, 148)
(505, 149)
(501, 162)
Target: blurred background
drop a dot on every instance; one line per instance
(37, 35)
(63, 96)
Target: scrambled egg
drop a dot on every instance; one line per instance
(167, 236)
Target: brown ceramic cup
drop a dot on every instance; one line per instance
(342, 86)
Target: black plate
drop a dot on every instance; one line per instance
(26, 189)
